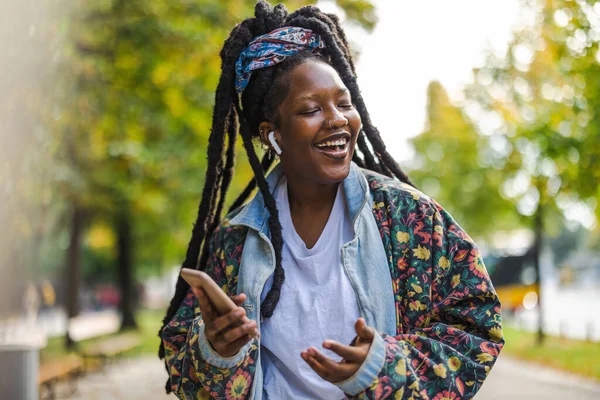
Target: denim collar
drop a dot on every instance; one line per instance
(255, 214)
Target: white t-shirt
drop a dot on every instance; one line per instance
(317, 302)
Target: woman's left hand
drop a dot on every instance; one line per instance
(352, 356)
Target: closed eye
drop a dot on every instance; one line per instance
(310, 111)
(346, 105)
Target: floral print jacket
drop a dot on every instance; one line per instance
(448, 326)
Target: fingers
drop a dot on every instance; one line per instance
(348, 353)
(239, 343)
(359, 325)
(315, 365)
(195, 290)
(233, 318)
(239, 299)
(231, 341)
(206, 308)
(326, 368)
(231, 326)
(249, 328)
(322, 359)
(227, 333)
(364, 332)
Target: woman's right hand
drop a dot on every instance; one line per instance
(226, 333)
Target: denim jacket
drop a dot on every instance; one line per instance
(419, 281)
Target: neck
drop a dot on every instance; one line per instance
(310, 197)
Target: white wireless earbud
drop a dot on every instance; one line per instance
(274, 143)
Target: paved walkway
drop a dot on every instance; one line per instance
(136, 379)
(517, 380)
(144, 379)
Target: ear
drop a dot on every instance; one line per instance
(264, 128)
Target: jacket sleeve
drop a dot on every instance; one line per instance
(196, 370)
(449, 330)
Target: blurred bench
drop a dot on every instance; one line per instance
(111, 347)
(66, 369)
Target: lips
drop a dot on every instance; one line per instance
(335, 146)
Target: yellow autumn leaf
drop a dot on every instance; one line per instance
(421, 253)
(160, 74)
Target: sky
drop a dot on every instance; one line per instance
(416, 42)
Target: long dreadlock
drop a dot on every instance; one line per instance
(266, 89)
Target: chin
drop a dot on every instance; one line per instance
(334, 174)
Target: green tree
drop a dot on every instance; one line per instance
(455, 166)
(536, 120)
(134, 134)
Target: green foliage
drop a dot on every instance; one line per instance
(359, 11)
(450, 167)
(531, 124)
(136, 96)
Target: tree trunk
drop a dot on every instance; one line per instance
(125, 268)
(538, 228)
(73, 277)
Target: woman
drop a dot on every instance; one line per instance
(350, 282)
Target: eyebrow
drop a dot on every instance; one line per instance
(313, 96)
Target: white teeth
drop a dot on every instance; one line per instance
(340, 142)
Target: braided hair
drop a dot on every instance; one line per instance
(233, 115)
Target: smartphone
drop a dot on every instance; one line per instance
(198, 279)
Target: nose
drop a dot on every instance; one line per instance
(337, 119)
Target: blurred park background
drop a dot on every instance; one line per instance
(105, 107)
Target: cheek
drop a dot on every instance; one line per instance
(300, 132)
(355, 123)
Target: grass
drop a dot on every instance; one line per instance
(148, 322)
(576, 356)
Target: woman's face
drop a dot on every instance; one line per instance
(318, 125)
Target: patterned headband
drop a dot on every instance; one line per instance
(271, 49)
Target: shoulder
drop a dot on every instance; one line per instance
(398, 204)
(226, 246)
(397, 194)
(227, 235)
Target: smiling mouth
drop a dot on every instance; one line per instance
(336, 149)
